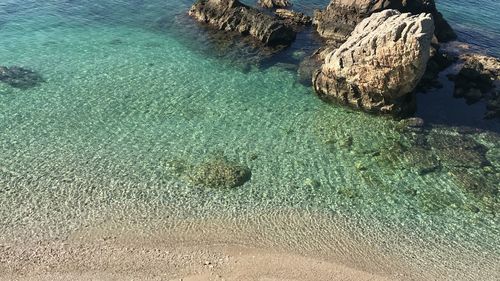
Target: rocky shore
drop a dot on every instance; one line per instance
(376, 54)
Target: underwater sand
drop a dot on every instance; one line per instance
(103, 151)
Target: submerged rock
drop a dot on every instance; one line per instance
(231, 15)
(482, 185)
(292, 17)
(493, 106)
(476, 80)
(458, 150)
(274, 3)
(338, 20)
(410, 124)
(220, 173)
(380, 65)
(19, 77)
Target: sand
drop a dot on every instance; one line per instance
(117, 259)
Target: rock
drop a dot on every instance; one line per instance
(417, 159)
(231, 15)
(458, 150)
(411, 123)
(420, 160)
(220, 173)
(338, 20)
(292, 17)
(477, 79)
(380, 65)
(19, 77)
(475, 182)
(274, 3)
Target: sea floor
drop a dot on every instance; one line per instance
(112, 140)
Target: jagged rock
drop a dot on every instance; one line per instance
(19, 77)
(231, 15)
(338, 20)
(292, 17)
(379, 66)
(274, 3)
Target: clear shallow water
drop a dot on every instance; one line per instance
(136, 93)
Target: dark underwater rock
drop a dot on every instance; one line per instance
(412, 124)
(476, 80)
(417, 159)
(458, 150)
(220, 173)
(380, 65)
(19, 77)
(477, 182)
(274, 3)
(338, 20)
(231, 15)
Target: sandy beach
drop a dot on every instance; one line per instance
(109, 260)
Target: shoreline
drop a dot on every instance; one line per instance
(327, 248)
(111, 260)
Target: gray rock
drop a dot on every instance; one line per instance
(380, 65)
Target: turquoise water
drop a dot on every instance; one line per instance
(137, 94)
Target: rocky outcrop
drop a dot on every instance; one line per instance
(338, 20)
(379, 66)
(274, 3)
(19, 77)
(477, 79)
(231, 15)
(292, 17)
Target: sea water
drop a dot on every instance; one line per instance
(136, 94)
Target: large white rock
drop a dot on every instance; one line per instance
(379, 66)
